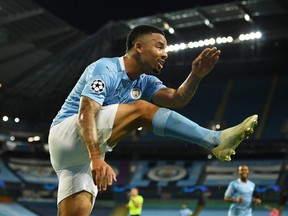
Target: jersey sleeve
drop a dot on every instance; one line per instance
(153, 84)
(230, 190)
(98, 82)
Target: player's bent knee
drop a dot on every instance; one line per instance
(144, 106)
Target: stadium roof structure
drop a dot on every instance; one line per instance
(41, 56)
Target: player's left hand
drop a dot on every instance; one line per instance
(205, 62)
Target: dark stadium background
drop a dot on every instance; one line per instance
(45, 46)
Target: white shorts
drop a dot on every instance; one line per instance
(69, 156)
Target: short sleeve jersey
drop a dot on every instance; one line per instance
(236, 189)
(106, 82)
(185, 212)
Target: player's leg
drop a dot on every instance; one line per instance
(76, 189)
(165, 122)
(130, 117)
(76, 204)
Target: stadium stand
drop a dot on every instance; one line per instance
(46, 46)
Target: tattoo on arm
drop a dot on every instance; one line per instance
(188, 88)
(87, 126)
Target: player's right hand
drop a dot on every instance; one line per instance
(102, 174)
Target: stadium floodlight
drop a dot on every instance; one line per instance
(212, 41)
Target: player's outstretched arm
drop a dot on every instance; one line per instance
(201, 66)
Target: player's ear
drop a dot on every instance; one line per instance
(139, 46)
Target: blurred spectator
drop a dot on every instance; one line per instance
(273, 211)
(185, 211)
(202, 200)
(283, 199)
(135, 203)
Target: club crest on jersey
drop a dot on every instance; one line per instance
(97, 86)
(136, 93)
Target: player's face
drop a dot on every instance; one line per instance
(243, 172)
(133, 192)
(154, 52)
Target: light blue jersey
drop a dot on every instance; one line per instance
(106, 82)
(185, 212)
(237, 189)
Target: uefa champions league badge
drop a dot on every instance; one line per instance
(136, 93)
(97, 86)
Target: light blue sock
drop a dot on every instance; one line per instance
(169, 123)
